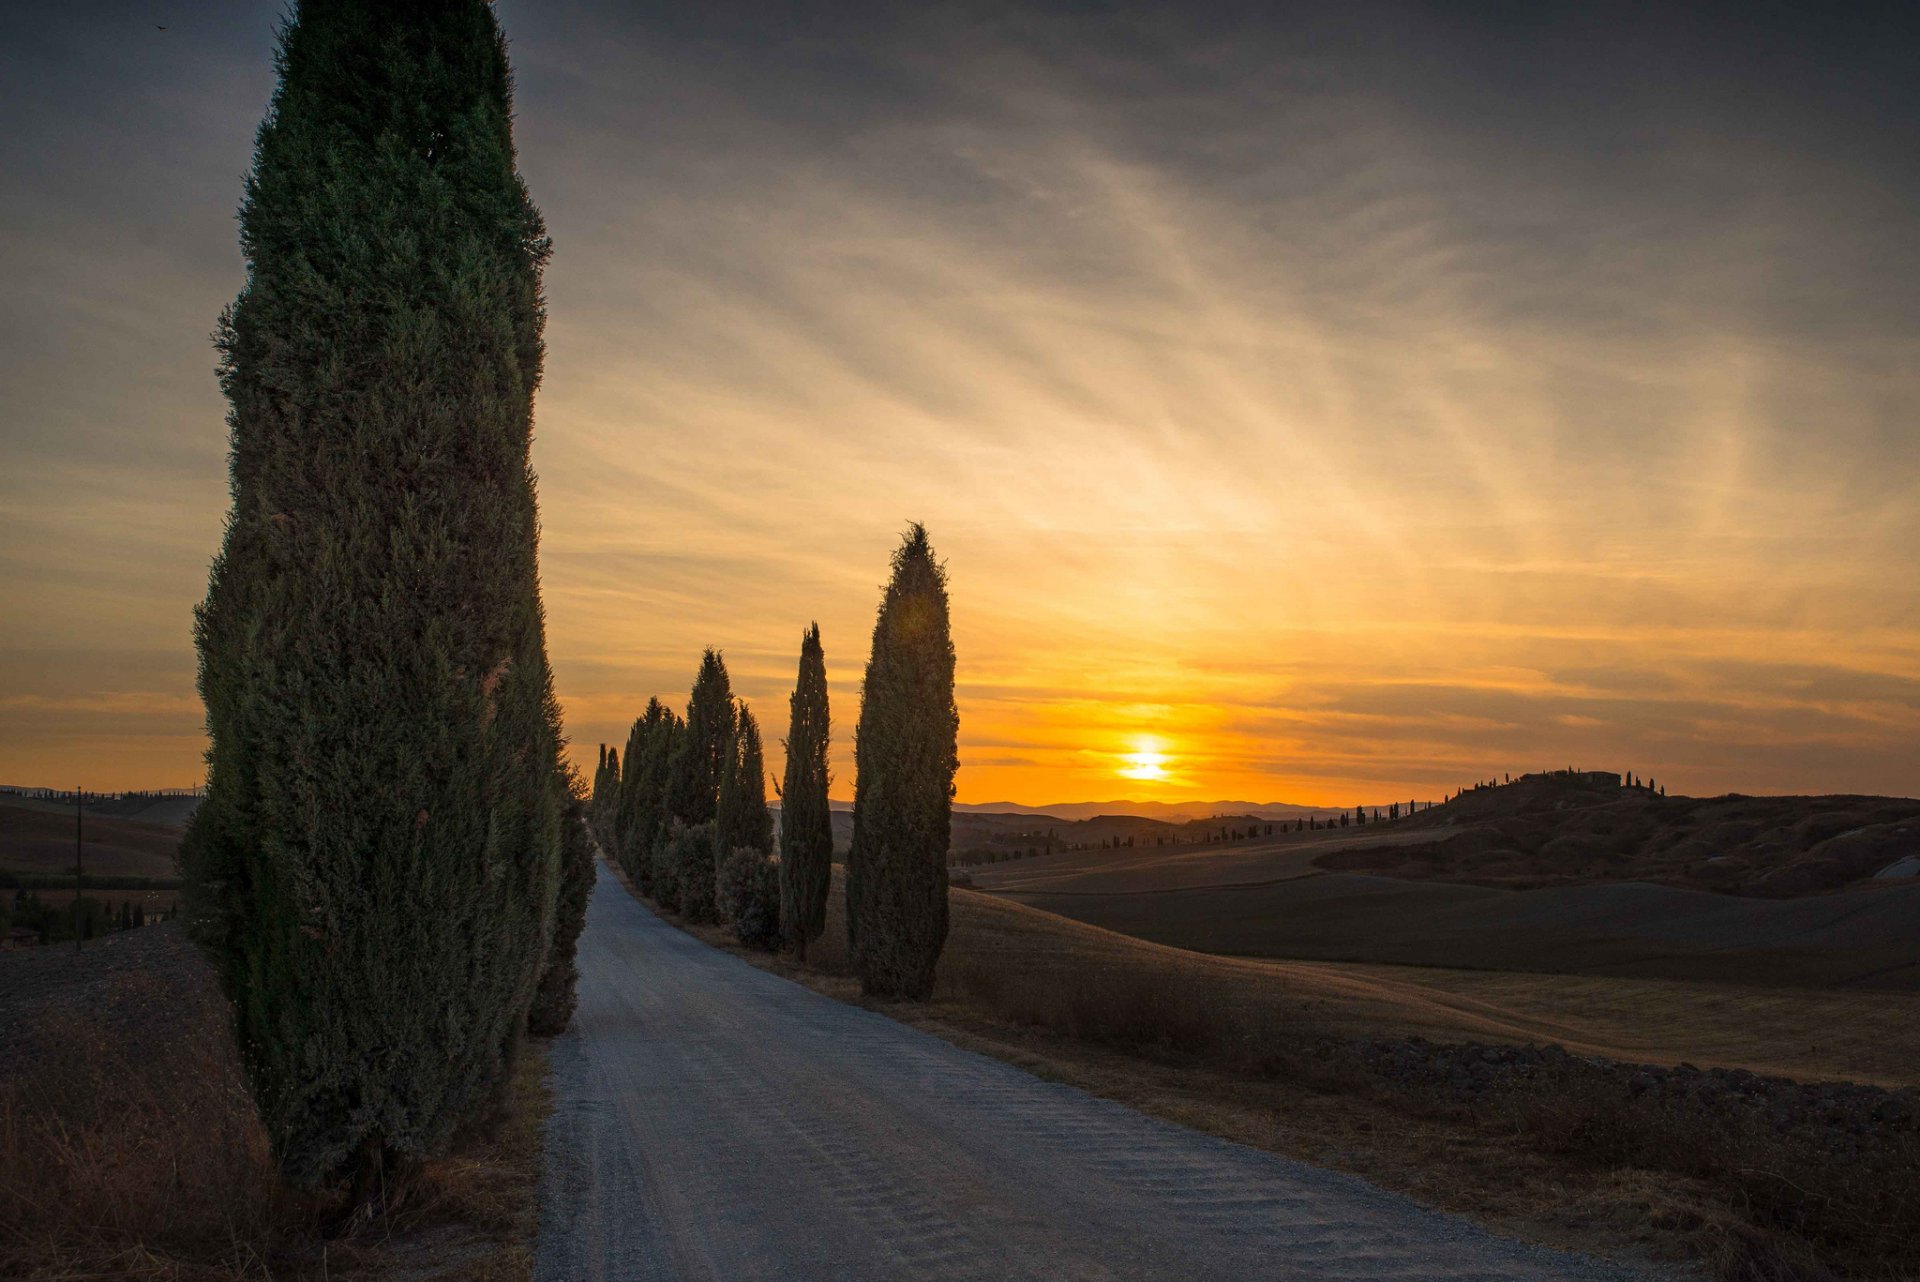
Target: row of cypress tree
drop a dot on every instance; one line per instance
(386, 793)
(386, 796)
(654, 805)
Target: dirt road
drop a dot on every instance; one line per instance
(713, 1121)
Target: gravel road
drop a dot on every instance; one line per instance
(712, 1120)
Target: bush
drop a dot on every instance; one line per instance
(664, 863)
(692, 856)
(749, 892)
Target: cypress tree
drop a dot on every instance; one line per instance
(621, 809)
(554, 999)
(607, 797)
(743, 820)
(693, 788)
(806, 822)
(374, 868)
(905, 755)
(647, 800)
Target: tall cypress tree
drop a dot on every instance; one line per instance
(693, 789)
(606, 796)
(382, 798)
(905, 755)
(628, 787)
(806, 822)
(647, 828)
(743, 819)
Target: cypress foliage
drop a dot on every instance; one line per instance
(554, 999)
(693, 788)
(743, 820)
(375, 866)
(606, 796)
(905, 756)
(664, 865)
(597, 801)
(806, 822)
(647, 804)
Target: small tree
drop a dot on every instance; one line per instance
(905, 755)
(806, 821)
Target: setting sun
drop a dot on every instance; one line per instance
(1146, 763)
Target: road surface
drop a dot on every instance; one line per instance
(714, 1121)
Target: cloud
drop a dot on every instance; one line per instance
(1351, 402)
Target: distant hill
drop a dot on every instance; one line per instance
(1547, 830)
(1565, 874)
(40, 839)
(1166, 811)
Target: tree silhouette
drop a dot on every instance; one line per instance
(905, 755)
(384, 794)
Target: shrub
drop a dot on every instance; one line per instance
(693, 856)
(749, 893)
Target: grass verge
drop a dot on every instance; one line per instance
(136, 1152)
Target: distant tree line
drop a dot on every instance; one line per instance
(683, 807)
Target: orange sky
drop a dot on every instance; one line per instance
(1347, 444)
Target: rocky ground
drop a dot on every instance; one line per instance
(141, 984)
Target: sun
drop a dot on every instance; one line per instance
(1146, 762)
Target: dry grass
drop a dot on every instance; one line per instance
(1062, 964)
(1237, 1048)
(145, 1159)
(140, 1160)
(1809, 1034)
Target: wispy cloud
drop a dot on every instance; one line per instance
(1353, 405)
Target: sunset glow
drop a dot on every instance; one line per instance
(1147, 764)
(1366, 442)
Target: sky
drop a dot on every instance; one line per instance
(1323, 404)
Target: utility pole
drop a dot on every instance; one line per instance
(79, 865)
